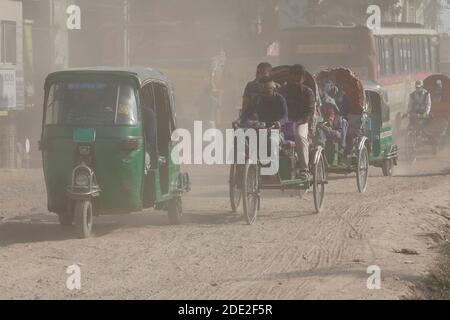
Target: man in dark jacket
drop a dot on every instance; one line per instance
(269, 106)
(252, 89)
(301, 107)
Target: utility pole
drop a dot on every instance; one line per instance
(126, 36)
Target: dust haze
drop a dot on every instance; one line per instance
(209, 50)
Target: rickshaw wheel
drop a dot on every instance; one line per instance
(175, 211)
(83, 215)
(250, 199)
(320, 177)
(388, 167)
(411, 148)
(235, 192)
(362, 170)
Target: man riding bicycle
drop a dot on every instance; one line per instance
(419, 106)
(269, 106)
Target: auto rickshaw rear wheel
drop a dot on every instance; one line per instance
(388, 166)
(175, 211)
(83, 214)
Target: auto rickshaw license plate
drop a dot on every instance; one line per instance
(84, 135)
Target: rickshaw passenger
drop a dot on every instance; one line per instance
(301, 107)
(437, 94)
(335, 126)
(269, 106)
(264, 70)
(419, 105)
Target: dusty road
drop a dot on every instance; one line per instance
(290, 253)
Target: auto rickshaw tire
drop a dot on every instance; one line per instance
(250, 213)
(387, 167)
(363, 154)
(319, 186)
(232, 182)
(83, 218)
(175, 211)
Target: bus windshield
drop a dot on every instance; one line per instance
(95, 103)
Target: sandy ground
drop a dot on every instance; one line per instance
(291, 253)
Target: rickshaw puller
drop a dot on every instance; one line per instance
(301, 106)
(269, 106)
(263, 70)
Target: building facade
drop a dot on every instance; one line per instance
(12, 92)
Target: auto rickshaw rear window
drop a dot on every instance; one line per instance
(91, 104)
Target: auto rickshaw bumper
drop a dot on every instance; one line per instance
(84, 185)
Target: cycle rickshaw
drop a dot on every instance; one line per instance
(369, 137)
(106, 145)
(246, 182)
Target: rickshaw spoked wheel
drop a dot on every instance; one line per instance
(250, 194)
(320, 177)
(388, 166)
(362, 170)
(83, 216)
(411, 145)
(235, 191)
(175, 211)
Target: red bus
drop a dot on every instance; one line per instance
(393, 57)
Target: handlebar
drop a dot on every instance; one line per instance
(256, 125)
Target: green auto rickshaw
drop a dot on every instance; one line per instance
(106, 145)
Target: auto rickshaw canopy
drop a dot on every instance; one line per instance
(439, 109)
(140, 75)
(280, 75)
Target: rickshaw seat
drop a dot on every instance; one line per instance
(289, 144)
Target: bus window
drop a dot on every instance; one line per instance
(410, 61)
(397, 56)
(403, 65)
(427, 54)
(389, 47)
